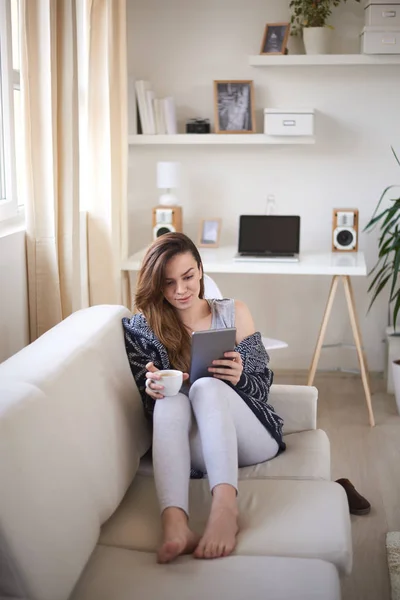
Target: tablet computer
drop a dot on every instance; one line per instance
(207, 346)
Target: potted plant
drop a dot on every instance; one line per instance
(309, 17)
(386, 270)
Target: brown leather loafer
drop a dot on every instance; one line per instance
(358, 505)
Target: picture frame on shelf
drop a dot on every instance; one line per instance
(209, 233)
(275, 38)
(234, 106)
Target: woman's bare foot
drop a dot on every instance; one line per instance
(178, 538)
(219, 538)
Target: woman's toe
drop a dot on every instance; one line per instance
(215, 551)
(199, 551)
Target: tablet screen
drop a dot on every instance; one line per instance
(207, 346)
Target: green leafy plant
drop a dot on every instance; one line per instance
(387, 267)
(311, 13)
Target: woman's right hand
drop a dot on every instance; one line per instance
(153, 384)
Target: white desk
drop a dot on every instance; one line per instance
(341, 267)
(221, 260)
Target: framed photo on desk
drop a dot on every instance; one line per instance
(209, 233)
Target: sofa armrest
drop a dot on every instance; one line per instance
(296, 404)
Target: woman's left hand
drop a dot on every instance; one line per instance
(230, 369)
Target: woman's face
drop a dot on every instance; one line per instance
(182, 281)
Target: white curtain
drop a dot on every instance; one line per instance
(74, 109)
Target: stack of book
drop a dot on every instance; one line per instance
(156, 115)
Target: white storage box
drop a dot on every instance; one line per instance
(386, 15)
(288, 122)
(379, 40)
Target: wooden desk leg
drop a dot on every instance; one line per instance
(322, 331)
(359, 329)
(358, 340)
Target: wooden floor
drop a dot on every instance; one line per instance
(370, 458)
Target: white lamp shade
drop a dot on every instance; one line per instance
(168, 175)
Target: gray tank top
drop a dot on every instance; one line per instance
(223, 313)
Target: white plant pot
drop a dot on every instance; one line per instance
(392, 353)
(317, 40)
(396, 382)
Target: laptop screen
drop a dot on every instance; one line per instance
(269, 234)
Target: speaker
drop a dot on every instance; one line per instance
(345, 230)
(166, 219)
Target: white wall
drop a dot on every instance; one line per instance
(14, 326)
(181, 47)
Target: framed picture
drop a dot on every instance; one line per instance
(234, 107)
(209, 233)
(275, 38)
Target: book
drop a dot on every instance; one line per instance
(142, 87)
(159, 117)
(170, 116)
(150, 112)
(133, 121)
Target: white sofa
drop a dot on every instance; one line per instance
(79, 518)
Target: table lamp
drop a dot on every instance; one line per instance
(168, 175)
(167, 216)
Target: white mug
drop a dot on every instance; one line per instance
(171, 380)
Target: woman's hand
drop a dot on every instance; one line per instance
(229, 369)
(154, 386)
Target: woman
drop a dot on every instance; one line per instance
(216, 424)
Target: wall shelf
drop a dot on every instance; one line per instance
(215, 138)
(304, 60)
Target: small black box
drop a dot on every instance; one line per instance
(198, 126)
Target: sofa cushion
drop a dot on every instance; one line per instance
(84, 356)
(307, 456)
(304, 519)
(118, 574)
(297, 405)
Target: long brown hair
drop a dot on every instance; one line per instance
(149, 299)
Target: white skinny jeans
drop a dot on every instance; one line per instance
(212, 430)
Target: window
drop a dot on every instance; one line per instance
(10, 133)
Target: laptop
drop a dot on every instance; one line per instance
(269, 238)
